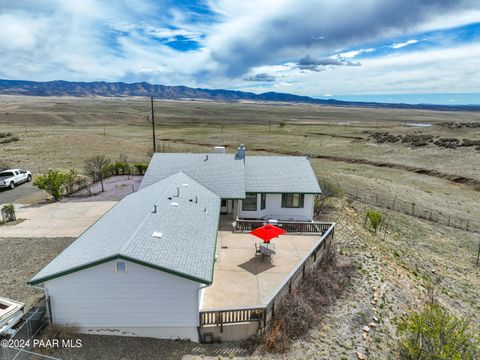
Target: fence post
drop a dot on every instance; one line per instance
(466, 226)
(430, 217)
(393, 205)
(449, 220)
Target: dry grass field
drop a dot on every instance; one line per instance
(60, 133)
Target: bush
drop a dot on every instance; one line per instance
(301, 309)
(8, 213)
(282, 124)
(374, 218)
(54, 182)
(435, 333)
(74, 182)
(141, 168)
(119, 168)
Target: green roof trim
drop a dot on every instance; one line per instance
(117, 257)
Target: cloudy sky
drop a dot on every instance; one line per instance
(386, 50)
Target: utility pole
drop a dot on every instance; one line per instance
(153, 126)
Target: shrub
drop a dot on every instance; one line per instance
(74, 182)
(435, 333)
(374, 218)
(141, 168)
(98, 168)
(119, 168)
(8, 213)
(301, 309)
(329, 190)
(282, 124)
(54, 182)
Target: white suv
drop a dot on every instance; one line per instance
(12, 177)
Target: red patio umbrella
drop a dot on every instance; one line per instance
(267, 232)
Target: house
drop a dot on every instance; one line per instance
(140, 270)
(251, 187)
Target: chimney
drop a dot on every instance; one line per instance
(241, 152)
(206, 158)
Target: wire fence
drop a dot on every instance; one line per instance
(415, 209)
(19, 346)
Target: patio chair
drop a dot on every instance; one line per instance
(257, 249)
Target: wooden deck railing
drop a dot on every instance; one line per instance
(265, 313)
(294, 227)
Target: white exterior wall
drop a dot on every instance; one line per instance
(140, 302)
(274, 210)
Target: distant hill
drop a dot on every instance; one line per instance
(113, 89)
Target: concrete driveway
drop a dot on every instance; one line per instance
(68, 219)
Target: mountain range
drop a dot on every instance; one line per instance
(114, 89)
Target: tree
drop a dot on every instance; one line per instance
(53, 182)
(434, 333)
(374, 218)
(329, 190)
(97, 167)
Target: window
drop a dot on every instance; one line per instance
(263, 201)
(292, 200)
(120, 266)
(250, 202)
(17, 173)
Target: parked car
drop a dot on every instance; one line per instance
(12, 177)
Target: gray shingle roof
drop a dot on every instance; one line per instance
(221, 173)
(230, 178)
(186, 247)
(280, 174)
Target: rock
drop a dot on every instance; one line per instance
(434, 271)
(366, 329)
(365, 336)
(372, 325)
(375, 319)
(360, 356)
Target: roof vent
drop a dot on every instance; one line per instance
(206, 158)
(174, 204)
(186, 185)
(178, 192)
(205, 210)
(157, 234)
(154, 209)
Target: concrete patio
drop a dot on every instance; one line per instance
(243, 279)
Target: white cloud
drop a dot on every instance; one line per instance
(354, 53)
(403, 44)
(127, 40)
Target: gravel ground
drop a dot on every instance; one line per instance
(22, 258)
(116, 188)
(129, 348)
